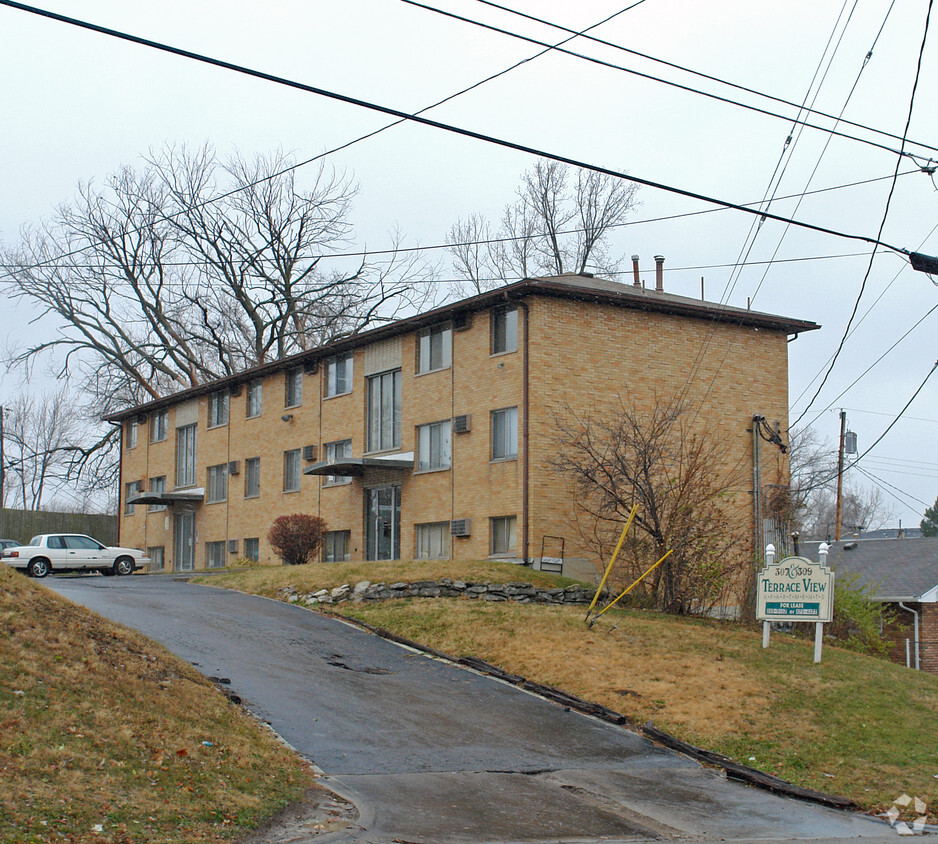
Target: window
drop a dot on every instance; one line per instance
(336, 451)
(293, 388)
(504, 330)
(291, 470)
(155, 553)
(433, 541)
(132, 434)
(384, 411)
(252, 548)
(435, 348)
(433, 446)
(505, 434)
(252, 477)
(254, 396)
(504, 529)
(339, 375)
(336, 546)
(185, 456)
(215, 554)
(131, 488)
(216, 481)
(159, 426)
(157, 485)
(218, 409)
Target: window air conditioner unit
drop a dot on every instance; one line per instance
(311, 367)
(462, 321)
(141, 418)
(309, 452)
(462, 424)
(232, 546)
(234, 467)
(460, 527)
(234, 390)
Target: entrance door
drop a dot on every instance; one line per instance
(185, 541)
(383, 523)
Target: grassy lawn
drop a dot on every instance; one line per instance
(853, 725)
(106, 737)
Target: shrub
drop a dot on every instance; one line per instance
(858, 619)
(296, 537)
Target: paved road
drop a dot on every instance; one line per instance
(432, 753)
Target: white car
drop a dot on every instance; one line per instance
(56, 552)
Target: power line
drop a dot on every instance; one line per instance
(707, 76)
(869, 269)
(642, 75)
(446, 127)
(882, 484)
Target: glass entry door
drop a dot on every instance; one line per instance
(185, 541)
(383, 523)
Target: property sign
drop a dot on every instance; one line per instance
(795, 589)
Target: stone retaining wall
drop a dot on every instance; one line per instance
(522, 593)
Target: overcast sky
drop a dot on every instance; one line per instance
(78, 105)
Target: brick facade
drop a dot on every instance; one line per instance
(577, 347)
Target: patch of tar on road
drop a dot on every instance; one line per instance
(318, 813)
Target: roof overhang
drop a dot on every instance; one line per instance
(357, 466)
(183, 496)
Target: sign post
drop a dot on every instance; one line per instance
(795, 589)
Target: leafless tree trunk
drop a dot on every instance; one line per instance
(679, 479)
(551, 228)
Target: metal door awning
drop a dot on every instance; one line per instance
(357, 466)
(181, 496)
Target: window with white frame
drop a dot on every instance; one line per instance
(159, 426)
(384, 411)
(435, 348)
(132, 434)
(252, 477)
(433, 541)
(215, 553)
(339, 375)
(218, 409)
(131, 488)
(505, 434)
(216, 483)
(185, 456)
(157, 484)
(336, 546)
(504, 534)
(504, 329)
(293, 387)
(333, 452)
(252, 548)
(254, 398)
(434, 446)
(155, 553)
(291, 470)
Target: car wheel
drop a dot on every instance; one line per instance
(123, 565)
(39, 567)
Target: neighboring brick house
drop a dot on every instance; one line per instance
(902, 573)
(432, 436)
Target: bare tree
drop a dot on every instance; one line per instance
(681, 483)
(552, 227)
(192, 269)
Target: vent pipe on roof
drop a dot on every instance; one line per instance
(659, 273)
(636, 282)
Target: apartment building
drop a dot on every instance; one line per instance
(432, 437)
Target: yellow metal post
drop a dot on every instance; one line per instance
(626, 592)
(615, 554)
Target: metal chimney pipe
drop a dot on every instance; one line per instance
(636, 282)
(659, 273)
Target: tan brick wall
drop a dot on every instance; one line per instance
(580, 353)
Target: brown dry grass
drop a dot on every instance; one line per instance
(100, 726)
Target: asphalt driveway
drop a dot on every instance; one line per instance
(430, 752)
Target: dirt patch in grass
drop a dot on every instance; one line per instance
(853, 725)
(106, 737)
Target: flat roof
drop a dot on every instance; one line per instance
(566, 286)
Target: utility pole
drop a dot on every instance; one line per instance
(840, 475)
